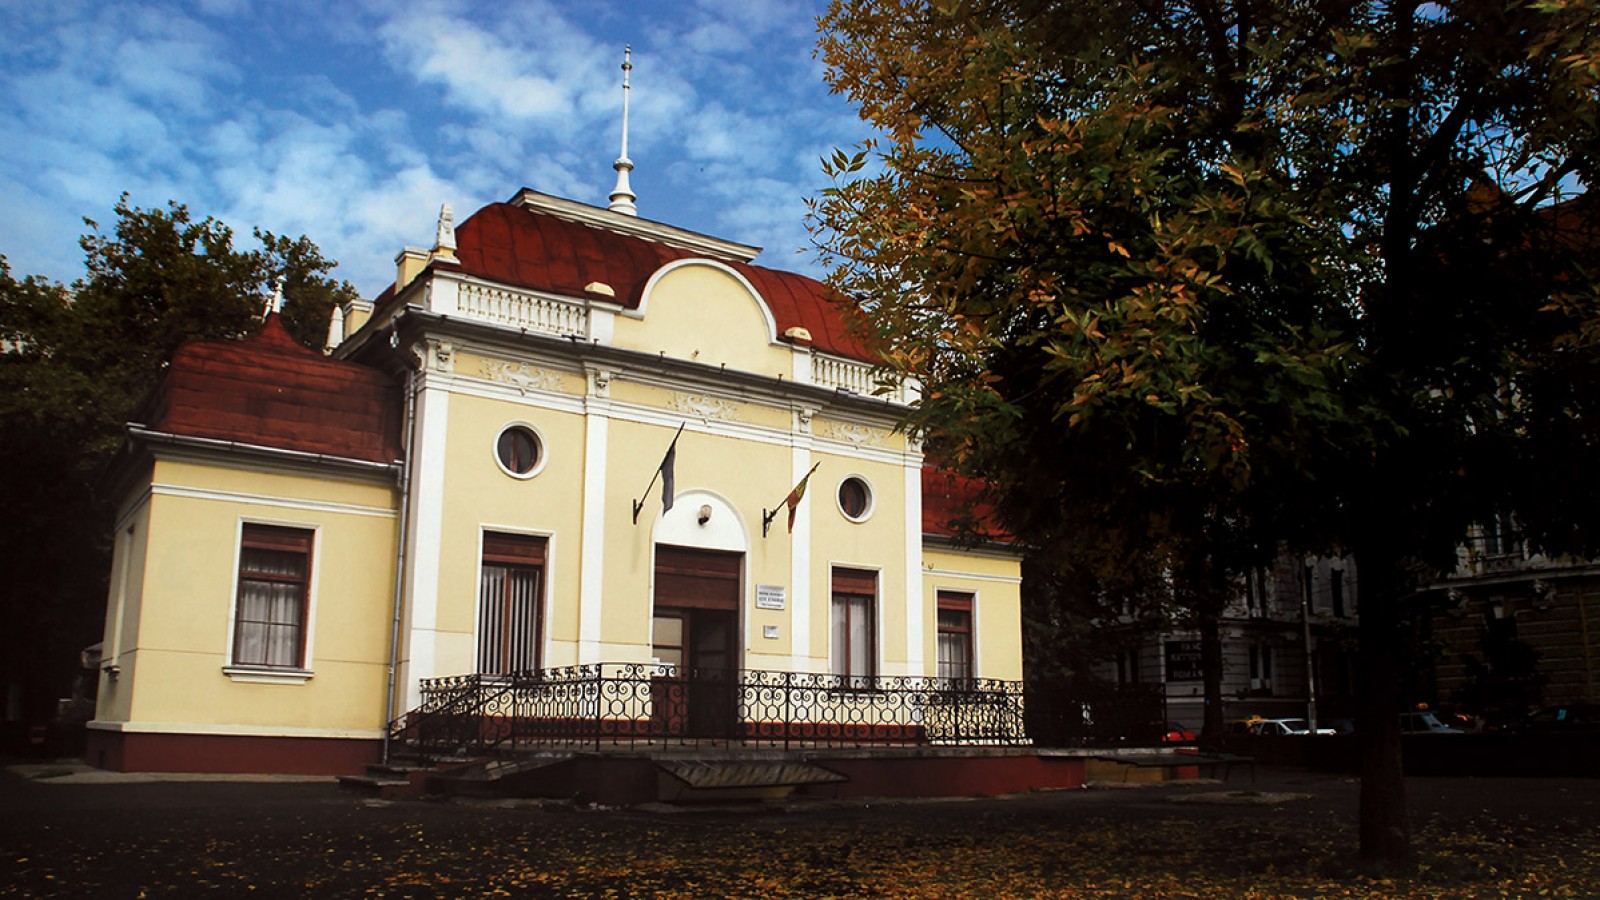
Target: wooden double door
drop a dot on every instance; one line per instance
(694, 633)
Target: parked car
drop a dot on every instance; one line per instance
(1567, 718)
(1173, 733)
(1161, 733)
(1284, 726)
(1424, 723)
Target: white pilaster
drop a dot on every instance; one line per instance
(591, 586)
(444, 295)
(419, 659)
(800, 554)
(915, 620)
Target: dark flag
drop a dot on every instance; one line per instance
(668, 481)
(666, 473)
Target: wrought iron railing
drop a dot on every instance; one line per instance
(639, 704)
(1090, 713)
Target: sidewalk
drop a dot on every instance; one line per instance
(71, 833)
(72, 771)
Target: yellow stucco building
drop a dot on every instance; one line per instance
(563, 442)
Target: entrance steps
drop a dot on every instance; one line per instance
(604, 778)
(631, 776)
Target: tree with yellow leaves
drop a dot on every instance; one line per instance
(1189, 280)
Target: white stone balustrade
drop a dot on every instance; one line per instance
(521, 309)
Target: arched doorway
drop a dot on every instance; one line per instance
(694, 633)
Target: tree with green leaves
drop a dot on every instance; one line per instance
(1204, 278)
(75, 365)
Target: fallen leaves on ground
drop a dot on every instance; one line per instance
(489, 852)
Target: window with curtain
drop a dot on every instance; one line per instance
(955, 637)
(853, 636)
(510, 603)
(274, 597)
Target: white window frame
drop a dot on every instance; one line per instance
(538, 436)
(261, 674)
(855, 680)
(545, 593)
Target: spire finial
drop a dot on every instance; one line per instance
(444, 241)
(275, 302)
(622, 196)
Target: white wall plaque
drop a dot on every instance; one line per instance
(769, 596)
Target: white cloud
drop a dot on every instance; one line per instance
(488, 71)
(353, 123)
(784, 17)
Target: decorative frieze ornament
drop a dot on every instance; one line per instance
(705, 407)
(521, 376)
(859, 435)
(435, 355)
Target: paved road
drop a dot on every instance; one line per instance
(80, 837)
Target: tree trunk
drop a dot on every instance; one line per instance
(1385, 827)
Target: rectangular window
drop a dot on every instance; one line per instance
(274, 597)
(1255, 592)
(510, 603)
(955, 636)
(1128, 666)
(853, 633)
(1336, 589)
(1261, 668)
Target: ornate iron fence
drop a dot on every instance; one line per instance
(637, 704)
(1089, 713)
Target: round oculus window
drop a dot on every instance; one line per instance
(519, 451)
(855, 498)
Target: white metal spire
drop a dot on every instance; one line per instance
(622, 196)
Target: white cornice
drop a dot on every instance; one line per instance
(936, 574)
(666, 373)
(180, 446)
(633, 226)
(193, 493)
(991, 549)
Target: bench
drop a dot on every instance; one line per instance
(1211, 760)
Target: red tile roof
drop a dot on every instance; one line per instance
(270, 391)
(536, 250)
(952, 506)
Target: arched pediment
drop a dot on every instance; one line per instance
(706, 312)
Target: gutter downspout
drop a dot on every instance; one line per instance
(389, 712)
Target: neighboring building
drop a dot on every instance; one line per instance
(478, 482)
(1512, 629)
(1297, 610)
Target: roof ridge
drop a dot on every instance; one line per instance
(634, 226)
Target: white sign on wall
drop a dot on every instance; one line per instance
(769, 596)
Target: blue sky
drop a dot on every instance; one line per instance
(352, 121)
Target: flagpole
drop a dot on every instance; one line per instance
(639, 504)
(768, 515)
